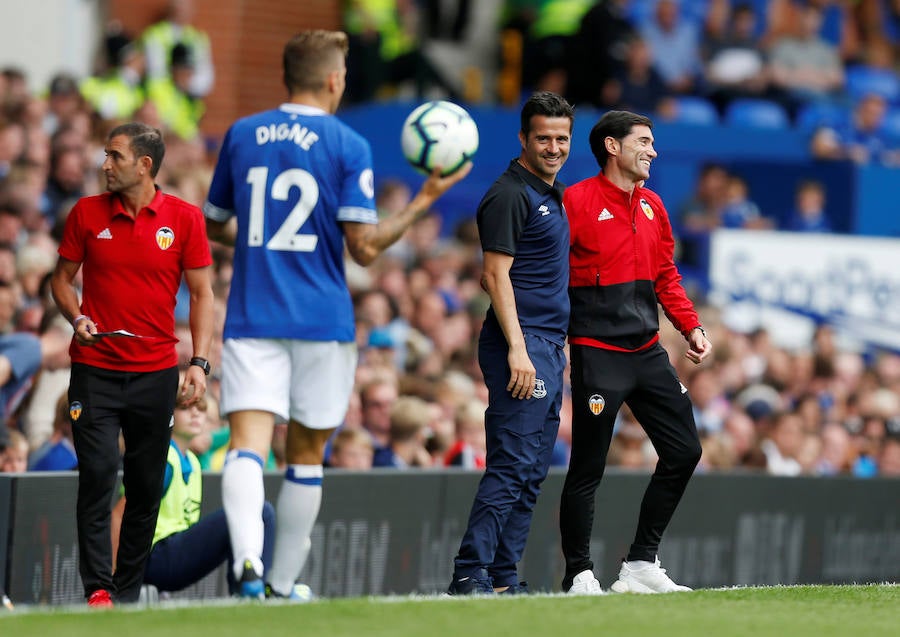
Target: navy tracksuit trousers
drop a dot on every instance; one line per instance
(520, 439)
(184, 558)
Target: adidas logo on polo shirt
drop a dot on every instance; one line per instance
(105, 234)
(604, 215)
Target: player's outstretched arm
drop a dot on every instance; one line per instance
(367, 241)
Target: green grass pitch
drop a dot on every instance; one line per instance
(795, 611)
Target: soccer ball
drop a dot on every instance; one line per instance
(439, 133)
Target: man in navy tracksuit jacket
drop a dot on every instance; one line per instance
(621, 268)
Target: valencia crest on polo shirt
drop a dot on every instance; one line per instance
(165, 237)
(648, 211)
(596, 403)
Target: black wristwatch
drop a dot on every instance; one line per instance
(202, 363)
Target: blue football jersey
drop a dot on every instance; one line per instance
(290, 176)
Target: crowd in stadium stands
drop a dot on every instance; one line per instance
(808, 63)
(419, 398)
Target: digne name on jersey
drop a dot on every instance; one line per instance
(300, 135)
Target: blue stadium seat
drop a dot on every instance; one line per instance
(695, 110)
(756, 113)
(816, 114)
(866, 79)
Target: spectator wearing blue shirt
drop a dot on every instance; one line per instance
(739, 210)
(21, 356)
(377, 398)
(57, 453)
(675, 44)
(809, 209)
(409, 424)
(862, 140)
(638, 86)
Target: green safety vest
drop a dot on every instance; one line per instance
(179, 111)
(384, 19)
(180, 506)
(163, 35)
(112, 96)
(560, 17)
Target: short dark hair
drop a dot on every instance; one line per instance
(143, 140)
(547, 104)
(615, 124)
(310, 56)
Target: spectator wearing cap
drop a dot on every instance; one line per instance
(380, 348)
(179, 110)
(117, 93)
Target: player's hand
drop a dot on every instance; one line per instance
(522, 373)
(699, 346)
(435, 185)
(84, 332)
(194, 386)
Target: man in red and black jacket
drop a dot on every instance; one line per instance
(621, 268)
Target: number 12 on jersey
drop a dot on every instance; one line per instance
(287, 236)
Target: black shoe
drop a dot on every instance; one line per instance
(516, 589)
(478, 583)
(251, 585)
(300, 594)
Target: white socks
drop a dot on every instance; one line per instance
(243, 496)
(297, 509)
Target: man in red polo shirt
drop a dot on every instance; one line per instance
(133, 244)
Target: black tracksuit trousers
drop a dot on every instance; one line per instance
(646, 381)
(102, 403)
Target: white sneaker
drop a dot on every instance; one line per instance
(645, 577)
(585, 584)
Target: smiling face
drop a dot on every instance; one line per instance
(546, 146)
(632, 155)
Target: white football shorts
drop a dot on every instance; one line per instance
(306, 381)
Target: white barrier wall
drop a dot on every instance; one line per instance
(395, 532)
(787, 282)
